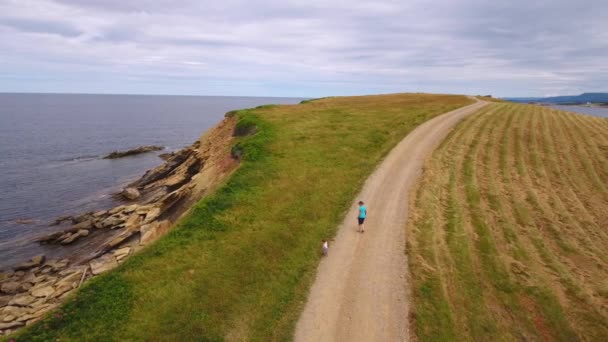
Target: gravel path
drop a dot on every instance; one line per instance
(360, 292)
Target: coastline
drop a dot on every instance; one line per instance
(163, 195)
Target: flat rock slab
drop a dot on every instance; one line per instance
(24, 300)
(10, 287)
(14, 324)
(133, 151)
(103, 264)
(153, 231)
(14, 311)
(43, 291)
(35, 261)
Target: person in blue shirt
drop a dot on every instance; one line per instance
(361, 217)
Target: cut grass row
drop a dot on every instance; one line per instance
(240, 265)
(508, 237)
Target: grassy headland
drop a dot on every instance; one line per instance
(239, 266)
(509, 234)
(489, 98)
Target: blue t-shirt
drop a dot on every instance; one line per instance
(362, 211)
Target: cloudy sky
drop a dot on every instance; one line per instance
(304, 48)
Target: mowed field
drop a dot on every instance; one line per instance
(239, 267)
(508, 239)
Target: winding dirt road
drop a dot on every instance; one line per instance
(360, 292)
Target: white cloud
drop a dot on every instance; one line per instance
(298, 48)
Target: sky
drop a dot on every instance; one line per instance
(304, 48)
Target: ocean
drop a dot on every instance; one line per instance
(595, 111)
(51, 149)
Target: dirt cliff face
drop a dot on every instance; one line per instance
(189, 174)
(153, 204)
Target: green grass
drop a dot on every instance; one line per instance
(238, 268)
(489, 98)
(505, 241)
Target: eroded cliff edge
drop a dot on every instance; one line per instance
(153, 204)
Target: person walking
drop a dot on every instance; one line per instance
(361, 217)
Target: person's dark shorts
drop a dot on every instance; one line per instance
(361, 220)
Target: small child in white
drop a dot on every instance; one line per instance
(325, 247)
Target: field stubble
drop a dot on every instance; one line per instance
(508, 236)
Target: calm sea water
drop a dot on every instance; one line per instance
(595, 111)
(51, 147)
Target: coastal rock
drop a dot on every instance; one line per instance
(30, 277)
(131, 193)
(112, 221)
(116, 210)
(4, 300)
(35, 314)
(25, 221)
(10, 287)
(86, 224)
(99, 214)
(48, 283)
(152, 215)
(35, 261)
(71, 279)
(143, 209)
(49, 237)
(103, 264)
(166, 156)
(130, 209)
(61, 264)
(117, 240)
(8, 318)
(35, 305)
(69, 238)
(42, 292)
(60, 290)
(151, 232)
(158, 173)
(46, 270)
(174, 197)
(38, 259)
(11, 325)
(121, 253)
(75, 269)
(14, 311)
(23, 300)
(38, 279)
(25, 287)
(133, 220)
(134, 151)
(177, 179)
(60, 220)
(72, 237)
(82, 218)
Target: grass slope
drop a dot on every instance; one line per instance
(239, 266)
(509, 232)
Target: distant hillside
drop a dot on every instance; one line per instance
(575, 99)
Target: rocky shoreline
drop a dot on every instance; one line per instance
(153, 204)
(134, 151)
